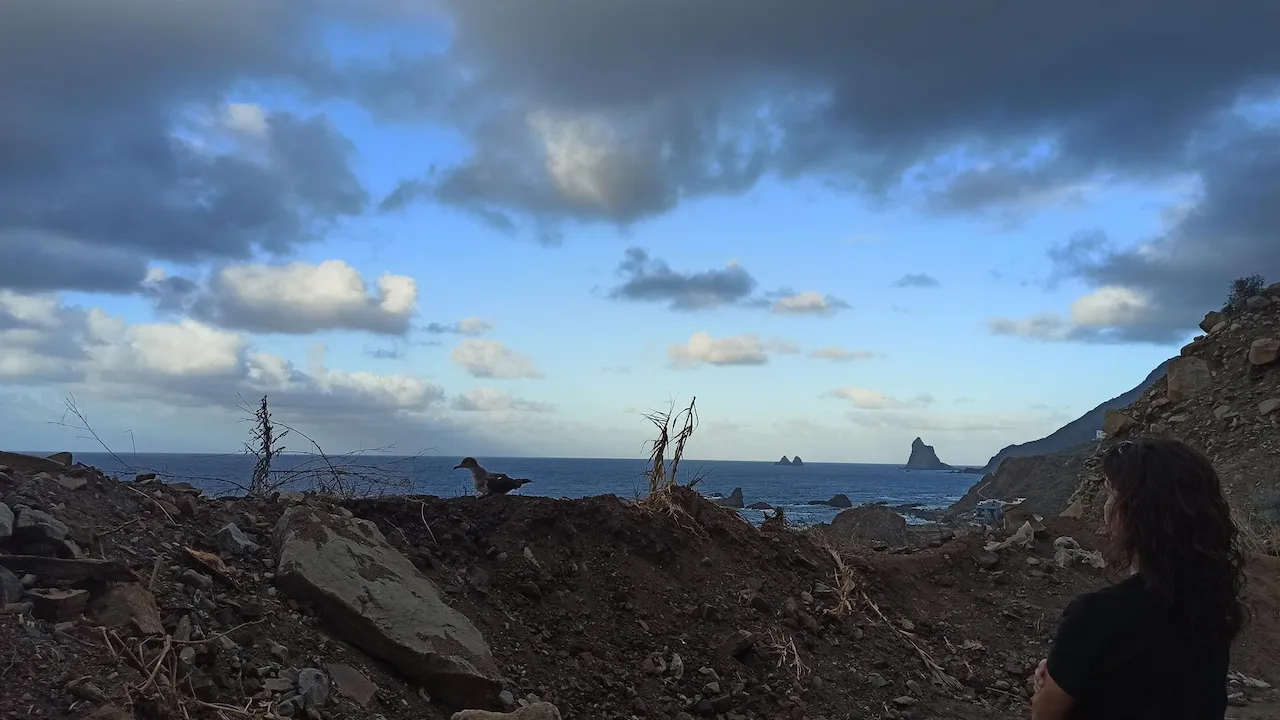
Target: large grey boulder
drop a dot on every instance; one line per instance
(373, 596)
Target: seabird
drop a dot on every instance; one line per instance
(490, 483)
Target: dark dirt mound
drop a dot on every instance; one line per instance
(584, 603)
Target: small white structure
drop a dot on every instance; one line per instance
(1100, 435)
(989, 513)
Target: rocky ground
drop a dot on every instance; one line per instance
(140, 599)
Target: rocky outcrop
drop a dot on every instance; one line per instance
(839, 500)
(797, 462)
(1079, 431)
(871, 522)
(1046, 481)
(378, 601)
(1221, 395)
(733, 501)
(924, 458)
(783, 461)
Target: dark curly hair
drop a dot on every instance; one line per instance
(1169, 516)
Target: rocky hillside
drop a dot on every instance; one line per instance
(1221, 394)
(1078, 432)
(1046, 481)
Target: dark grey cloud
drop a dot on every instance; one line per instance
(469, 326)
(649, 279)
(916, 280)
(573, 115)
(1228, 232)
(113, 150)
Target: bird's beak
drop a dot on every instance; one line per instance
(457, 467)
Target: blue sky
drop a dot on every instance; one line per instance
(1054, 264)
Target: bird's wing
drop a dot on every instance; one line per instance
(501, 482)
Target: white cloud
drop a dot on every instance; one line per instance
(839, 354)
(494, 400)
(184, 363)
(809, 302)
(302, 298)
(1106, 314)
(491, 359)
(1110, 306)
(866, 399)
(745, 349)
(245, 119)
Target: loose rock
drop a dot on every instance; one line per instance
(376, 599)
(536, 711)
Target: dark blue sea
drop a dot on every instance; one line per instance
(788, 487)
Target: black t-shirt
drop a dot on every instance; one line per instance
(1121, 655)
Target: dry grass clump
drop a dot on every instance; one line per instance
(782, 649)
(673, 432)
(1259, 528)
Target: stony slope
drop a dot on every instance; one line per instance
(1221, 394)
(1077, 432)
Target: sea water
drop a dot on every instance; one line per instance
(783, 486)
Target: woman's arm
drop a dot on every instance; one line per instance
(1051, 701)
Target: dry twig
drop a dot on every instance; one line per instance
(940, 675)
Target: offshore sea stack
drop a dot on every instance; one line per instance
(1222, 395)
(923, 457)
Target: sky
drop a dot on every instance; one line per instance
(477, 227)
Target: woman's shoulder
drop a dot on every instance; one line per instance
(1129, 595)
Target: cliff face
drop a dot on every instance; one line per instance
(1046, 481)
(1079, 431)
(924, 458)
(1221, 395)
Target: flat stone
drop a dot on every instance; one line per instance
(57, 605)
(1186, 378)
(72, 483)
(128, 605)
(39, 525)
(62, 458)
(233, 540)
(1268, 406)
(536, 711)
(352, 683)
(313, 687)
(1118, 423)
(11, 588)
(6, 522)
(373, 596)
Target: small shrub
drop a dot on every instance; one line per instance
(1243, 288)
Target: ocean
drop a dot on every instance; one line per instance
(789, 487)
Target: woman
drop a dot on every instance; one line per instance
(1157, 644)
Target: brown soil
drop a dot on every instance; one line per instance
(584, 603)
